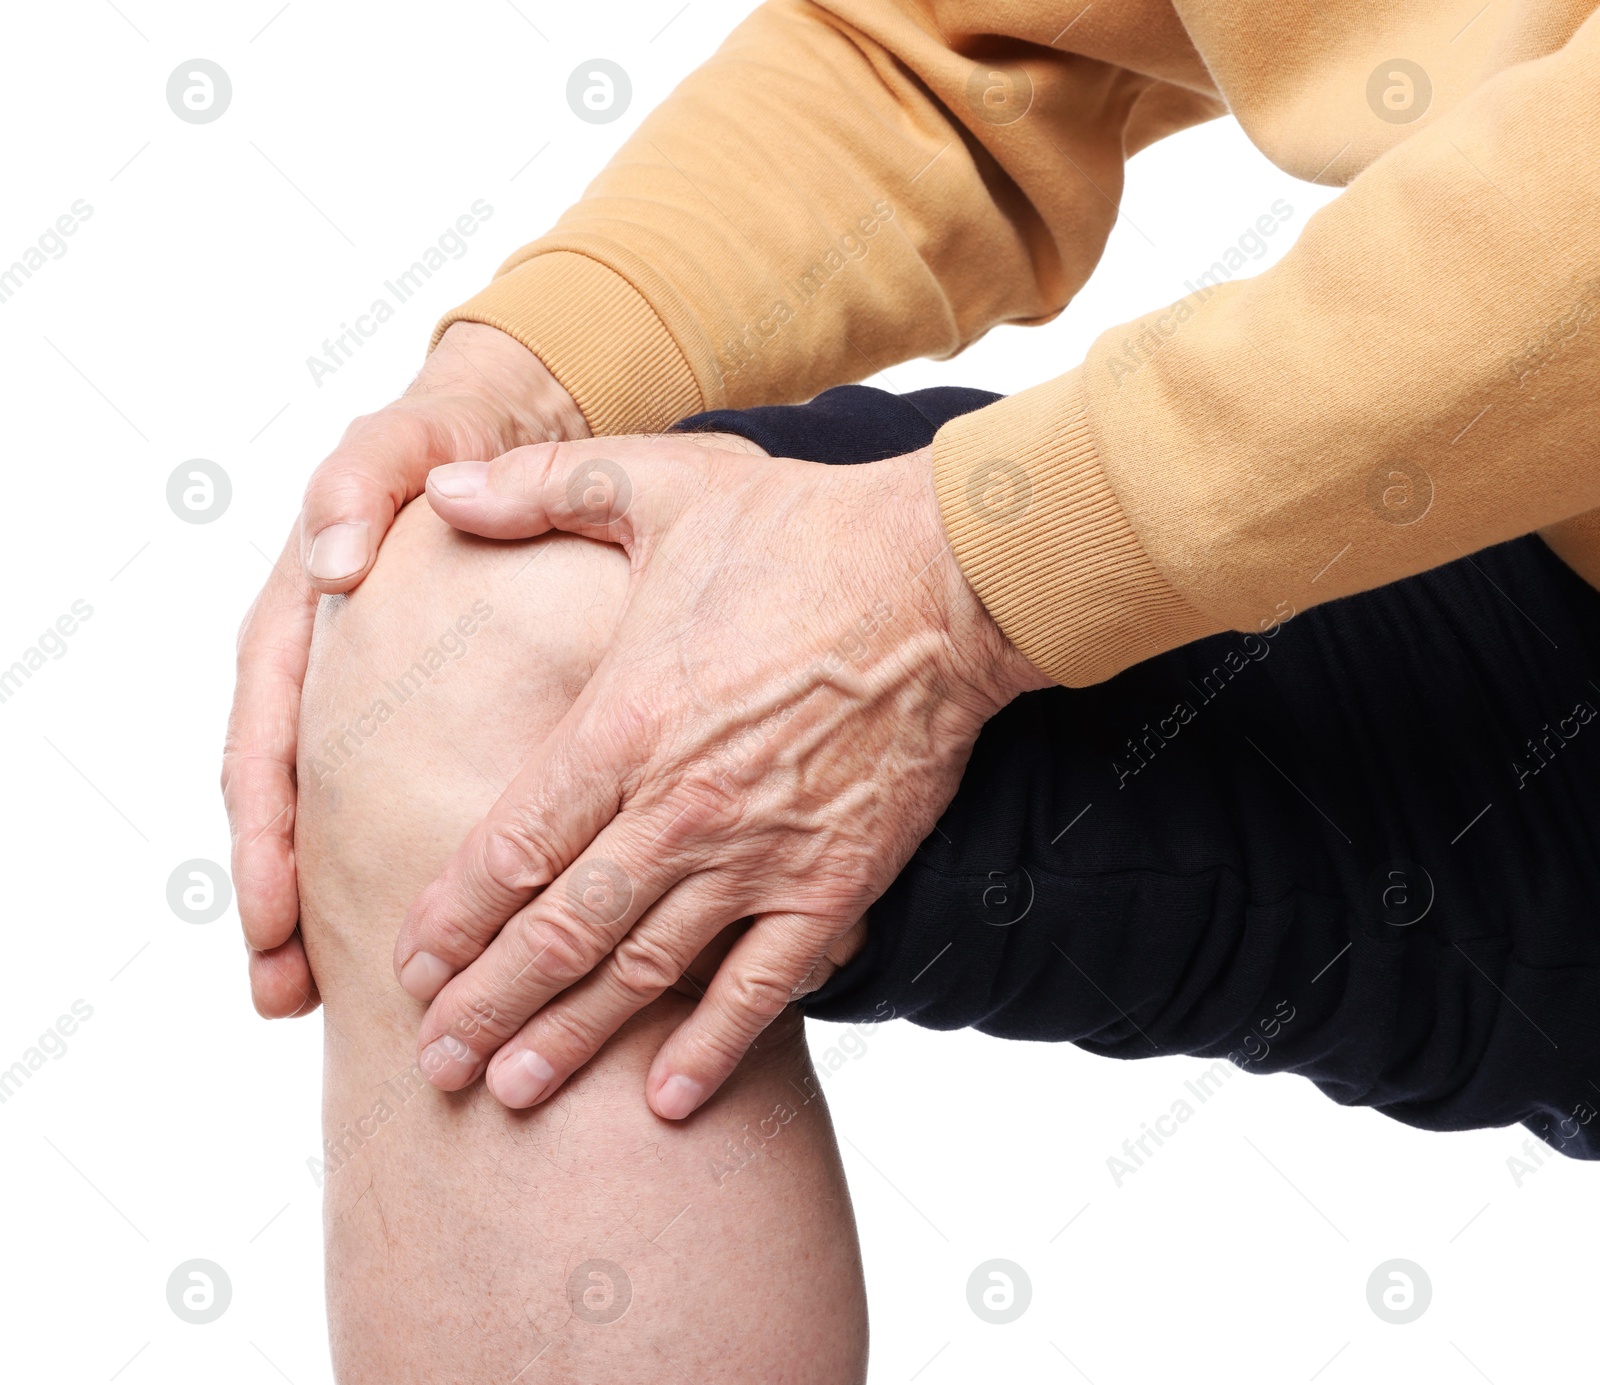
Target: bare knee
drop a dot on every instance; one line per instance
(428, 686)
(465, 1240)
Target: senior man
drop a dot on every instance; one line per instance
(776, 696)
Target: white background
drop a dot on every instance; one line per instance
(177, 1125)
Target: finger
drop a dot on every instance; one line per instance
(840, 951)
(766, 971)
(553, 943)
(353, 497)
(281, 984)
(555, 807)
(614, 489)
(656, 952)
(258, 756)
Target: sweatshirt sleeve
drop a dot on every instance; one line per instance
(1413, 381)
(837, 190)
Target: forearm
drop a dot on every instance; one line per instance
(839, 189)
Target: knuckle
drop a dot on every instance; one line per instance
(341, 487)
(475, 1019)
(565, 1031)
(814, 979)
(704, 804)
(599, 892)
(362, 425)
(524, 468)
(643, 967)
(521, 472)
(249, 626)
(394, 425)
(846, 945)
(634, 721)
(518, 852)
(226, 781)
(365, 455)
(558, 950)
(722, 1047)
(760, 995)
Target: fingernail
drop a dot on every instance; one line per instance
(448, 1063)
(521, 1079)
(338, 551)
(423, 977)
(678, 1096)
(459, 480)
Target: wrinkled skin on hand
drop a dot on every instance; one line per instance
(793, 690)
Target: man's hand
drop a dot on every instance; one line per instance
(785, 709)
(480, 393)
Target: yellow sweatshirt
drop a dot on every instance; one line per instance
(848, 184)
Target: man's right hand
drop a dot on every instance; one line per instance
(481, 393)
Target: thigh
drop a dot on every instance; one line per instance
(464, 1240)
(1361, 843)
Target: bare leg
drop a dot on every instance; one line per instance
(586, 1236)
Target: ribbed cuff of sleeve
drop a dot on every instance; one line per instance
(1045, 542)
(596, 334)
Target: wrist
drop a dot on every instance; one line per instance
(983, 660)
(498, 370)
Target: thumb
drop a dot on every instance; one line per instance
(617, 490)
(354, 496)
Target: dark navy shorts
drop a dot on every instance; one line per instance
(1361, 843)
